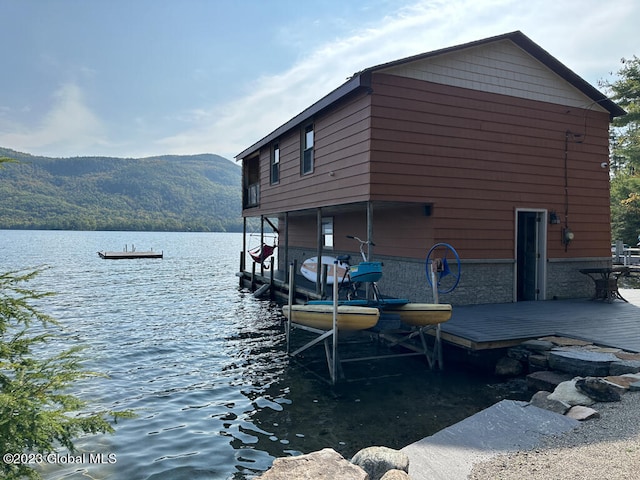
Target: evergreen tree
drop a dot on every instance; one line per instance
(625, 154)
(37, 412)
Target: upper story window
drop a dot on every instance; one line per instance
(306, 164)
(275, 163)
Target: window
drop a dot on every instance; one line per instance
(275, 163)
(327, 232)
(307, 150)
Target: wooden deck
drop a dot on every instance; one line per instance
(489, 326)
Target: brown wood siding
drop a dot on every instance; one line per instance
(341, 146)
(479, 156)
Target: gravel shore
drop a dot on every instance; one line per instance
(603, 448)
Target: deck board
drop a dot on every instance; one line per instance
(489, 326)
(614, 324)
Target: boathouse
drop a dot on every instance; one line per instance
(494, 147)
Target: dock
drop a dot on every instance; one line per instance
(482, 327)
(497, 326)
(127, 253)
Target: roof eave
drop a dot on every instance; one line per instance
(363, 79)
(357, 81)
(533, 49)
(566, 73)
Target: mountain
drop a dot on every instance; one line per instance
(165, 193)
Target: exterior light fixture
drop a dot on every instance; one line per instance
(553, 218)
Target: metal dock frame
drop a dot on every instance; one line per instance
(395, 337)
(323, 335)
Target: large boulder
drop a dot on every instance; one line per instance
(396, 475)
(377, 461)
(538, 345)
(509, 367)
(582, 413)
(599, 389)
(541, 400)
(568, 393)
(581, 362)
(545, 380)
(538, 363)
(326, 463)
(621, 367)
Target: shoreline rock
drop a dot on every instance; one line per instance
(581, 375)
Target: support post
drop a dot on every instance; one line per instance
(334, 359)
(319, 245)
(243, 262)
(290, 303)
(262, 245)
(437, 350)
(323, 280)
(272, 292)
(285, 262)
(253, 276)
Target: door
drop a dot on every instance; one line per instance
(530, 255)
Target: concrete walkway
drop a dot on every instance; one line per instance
(507, 426)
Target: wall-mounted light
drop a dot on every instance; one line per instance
(553, 218)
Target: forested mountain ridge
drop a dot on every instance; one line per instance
(164, 193)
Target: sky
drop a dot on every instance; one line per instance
(138, 78)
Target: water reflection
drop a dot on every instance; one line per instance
(391, 402)
(204, 366)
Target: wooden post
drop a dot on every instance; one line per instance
(319, 244)
(243, 263)
(325, 271)
(290, 303)
(272, 292)
(262, 245)
(437, 348)
(334, 359)
(253, 276)
(368, 289)
(292, 280)
(285, 262)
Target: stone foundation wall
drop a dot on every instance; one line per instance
(482, 281)
(479, 282)
(564, 279)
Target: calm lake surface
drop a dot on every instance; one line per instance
(203, 363)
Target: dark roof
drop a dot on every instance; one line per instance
(362, 80)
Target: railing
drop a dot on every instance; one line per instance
(630, 256)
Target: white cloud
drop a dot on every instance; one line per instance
(589, 37)
(563, 28)
(68, 126)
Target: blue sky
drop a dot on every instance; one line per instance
(135, 78)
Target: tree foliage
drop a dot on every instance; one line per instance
(166, 193)
(37, 412)
(625, 154)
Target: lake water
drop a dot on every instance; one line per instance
(203, 364)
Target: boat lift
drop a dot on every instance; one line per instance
(437, 269)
